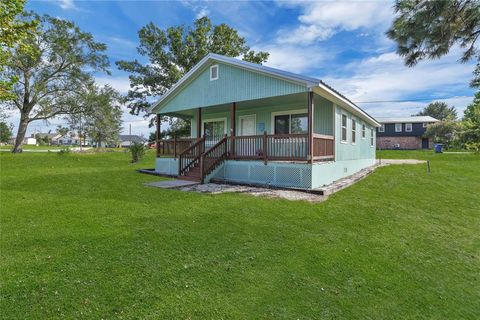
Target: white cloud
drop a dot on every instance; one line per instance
(119, 83)
(202, 12)
(321, 20)
(292, 58)
(385, 78)
(67, 4)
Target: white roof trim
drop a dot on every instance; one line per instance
(308, 82)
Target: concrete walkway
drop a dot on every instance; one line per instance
(171, 184)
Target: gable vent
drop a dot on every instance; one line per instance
(214, 72)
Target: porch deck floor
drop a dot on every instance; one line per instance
(171, 184)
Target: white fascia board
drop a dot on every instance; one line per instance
(321, 89)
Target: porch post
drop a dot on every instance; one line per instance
(233, 129)
(199, 122)
(310, 127)
(157, 135)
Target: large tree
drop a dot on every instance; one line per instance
(12, 30)
(101, 114)
(173, 52)
(5, 132)
(471, 122)
(62, 64)
(426, 29)
(439, 110)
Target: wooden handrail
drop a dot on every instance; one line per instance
(217, 154)
(185, 161)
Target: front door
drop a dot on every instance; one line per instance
(247, 125)
(424, 143)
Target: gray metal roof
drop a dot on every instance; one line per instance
(309, 82)
(412, 119)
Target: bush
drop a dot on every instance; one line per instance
(473, 146)
(65, 150)
(138, 151)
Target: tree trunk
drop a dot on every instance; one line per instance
(22, 129)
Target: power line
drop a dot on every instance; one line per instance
(406, 100)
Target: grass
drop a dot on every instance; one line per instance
(81, 237)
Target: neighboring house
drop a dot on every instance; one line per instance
(404, 133)
(253, 124)
(68, 139)
(30, 141)
(50, 136)
(124, 141)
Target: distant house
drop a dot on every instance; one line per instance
(49, 136)
(68, 139)
(30, 141)
(404, 133)
(124, 141)
(253, 124)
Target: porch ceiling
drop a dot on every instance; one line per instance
(290, 99)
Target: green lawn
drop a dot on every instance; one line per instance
(81, 237)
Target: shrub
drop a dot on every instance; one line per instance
(64, 150)
(473, 146)
(138, 151)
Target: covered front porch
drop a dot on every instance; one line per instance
(296, 128)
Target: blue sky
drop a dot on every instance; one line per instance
(342, 43)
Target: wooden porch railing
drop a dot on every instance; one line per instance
(190, 156)
(323, 147)
(173, 147)
(282, 147)
(214, 156)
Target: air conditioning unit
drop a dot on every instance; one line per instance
(396, 146)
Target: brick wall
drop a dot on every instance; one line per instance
(404, 142)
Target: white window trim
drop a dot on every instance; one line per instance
(381, 128)
(346, 128)
(353, 132)
(425, 124)
(406, 127)
(240, 121)
(396, 127)
(282, 113)
(364, 131)
(211, 67)
(372, 138)
(215, 120)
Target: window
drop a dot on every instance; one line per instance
(371, 137)
(290, 123)
(214, 128)
(344, 128)
(425, 124)
(381, 128)
(354, 131)
(398, 127)
(214, 72)
(363, 131)
(408, 127)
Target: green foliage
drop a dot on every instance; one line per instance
(173, 52)
(137, 150)
(439, 110)
(473, 146)
(429, 29)
(62, 65)
(84, 238)
(64, 150)
(100, 117)
(443, 131)
(12, 31)
(5, 132)
(471, 122)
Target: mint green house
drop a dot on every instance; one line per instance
(252, 124)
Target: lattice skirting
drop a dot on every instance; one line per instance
(278, 174)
